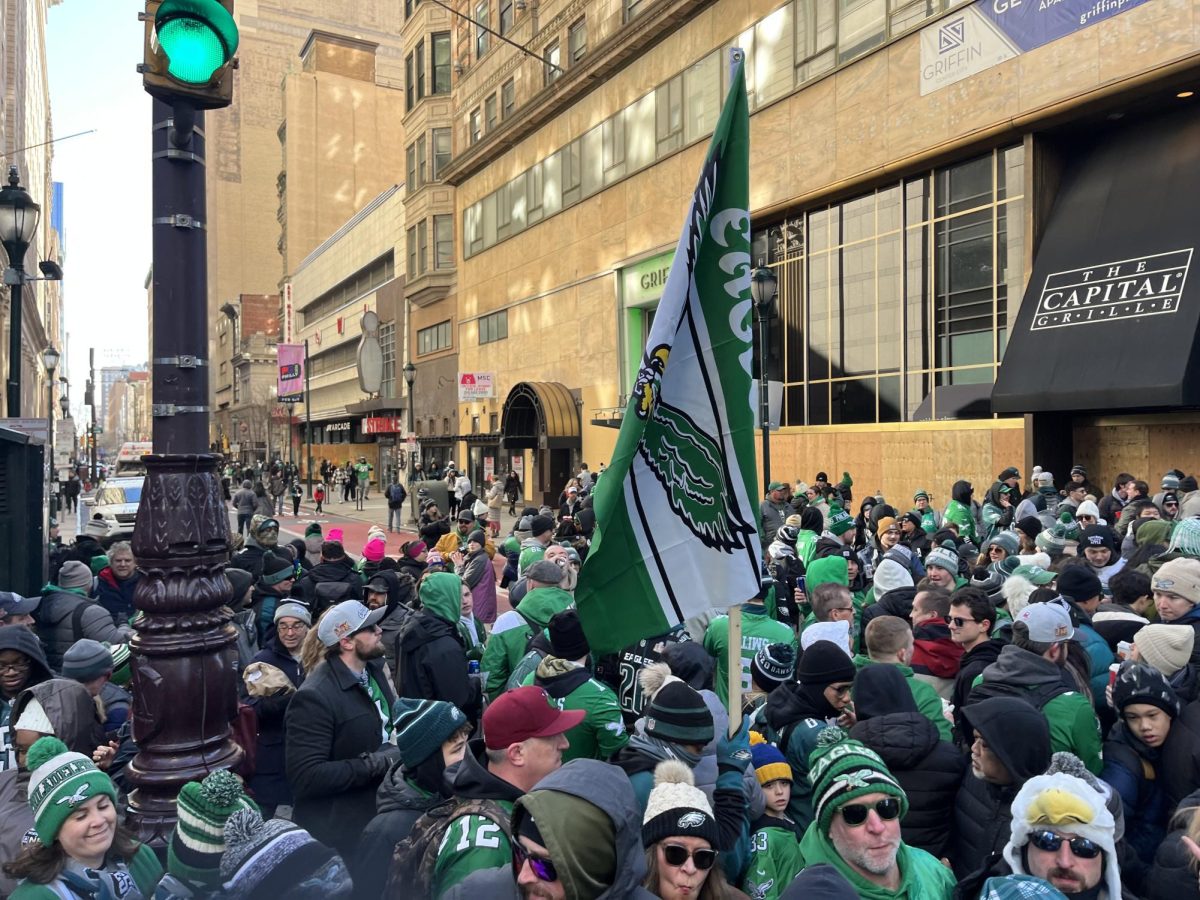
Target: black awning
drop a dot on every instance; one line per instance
(1109, 319)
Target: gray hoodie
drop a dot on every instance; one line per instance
(603, 786)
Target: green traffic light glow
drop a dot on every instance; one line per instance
(197, 36)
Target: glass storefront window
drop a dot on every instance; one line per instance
(894, 305)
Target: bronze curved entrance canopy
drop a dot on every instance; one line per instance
(540, 415)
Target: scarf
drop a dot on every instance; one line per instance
(110, 883)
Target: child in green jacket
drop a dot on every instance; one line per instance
(774, 838)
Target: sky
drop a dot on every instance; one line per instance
(93, 48)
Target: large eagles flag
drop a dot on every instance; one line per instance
(677, 531)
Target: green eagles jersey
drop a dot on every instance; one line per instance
(774, 858)
(470, 843)
(758, 631)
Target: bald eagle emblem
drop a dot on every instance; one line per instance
(687, 461)
(80, 795)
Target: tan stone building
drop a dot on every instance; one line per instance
(274, 193)
(925, 179)
(25, 130)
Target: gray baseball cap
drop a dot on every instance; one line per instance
(12, 604)
(346, 618)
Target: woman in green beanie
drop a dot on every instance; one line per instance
(80, 849)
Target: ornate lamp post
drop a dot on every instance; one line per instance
(763, 285)
(18, 222)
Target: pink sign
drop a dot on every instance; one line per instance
(291, 372)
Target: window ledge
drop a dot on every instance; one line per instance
(429, 288)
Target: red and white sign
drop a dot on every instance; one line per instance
(475, 386)
(288, 318)
(518, 466)
(382, 425)
(489, 467)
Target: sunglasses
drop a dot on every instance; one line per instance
(677, 855)
(855, 814)
(959, 621)
(1050, 842)
(541, 867)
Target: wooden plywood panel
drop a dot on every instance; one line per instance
(859, 453)
(1172, 447)
(907, 458)
(965, 455)
(1120, 448)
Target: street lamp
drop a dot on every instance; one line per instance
(410, 375)
(50, 359)
(18, 222)
(763, 285)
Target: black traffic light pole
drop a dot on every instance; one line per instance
(183, 672)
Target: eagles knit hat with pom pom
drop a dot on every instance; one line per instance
(677, 808)
(676, 713)
(944, 558)
(60, 781)
(198, 841)
(267, 859)
(842, 770)
(422, 726)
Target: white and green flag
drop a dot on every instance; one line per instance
(677, 529)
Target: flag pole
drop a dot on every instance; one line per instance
(734, 682)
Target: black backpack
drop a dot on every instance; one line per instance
(414, 858)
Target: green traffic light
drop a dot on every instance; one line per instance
(197, 36)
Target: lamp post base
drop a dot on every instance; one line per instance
(184, 657)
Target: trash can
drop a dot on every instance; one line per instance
(23, 568)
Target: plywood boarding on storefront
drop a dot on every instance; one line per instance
(897, 459)
(1146, 446)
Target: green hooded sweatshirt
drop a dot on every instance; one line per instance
(505, 650)
(441, 594)
(922, 877)
(580, 838)
(602, 732)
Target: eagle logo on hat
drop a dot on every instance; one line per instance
(80, 795)
(690, 820)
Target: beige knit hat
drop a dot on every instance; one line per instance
(1165, 647)
(676, 807)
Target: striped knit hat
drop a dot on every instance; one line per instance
(943, 557)
(842, 770)
(770, 764)
(676, 713)
(266, 859)
(60, 781)
(194, 853)
(121, 673)
(839, 521)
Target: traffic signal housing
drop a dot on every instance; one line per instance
(189, 51)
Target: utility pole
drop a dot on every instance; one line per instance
(91, 401)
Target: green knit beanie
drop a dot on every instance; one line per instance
(840, 521)
(841, 770)
(59, 782)
(194, 853)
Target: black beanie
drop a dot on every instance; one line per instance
(276, 569)
(567, 640)
(1097, 536)
(678, 715)
(772, 665)
(1031, 526)
(824, 663)
(540, 525)
(1188, 483)
(477, 537)
(1137, 683)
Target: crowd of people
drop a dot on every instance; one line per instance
(986, 700)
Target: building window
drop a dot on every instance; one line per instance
(419, 67)
(443, 242)
(493, 327)
(410, 167)
(433, 339)
(506, 16)
(421, 161)
(349, 290)
(668, 117)
(489, 113)
(474, 126)
(410, 83)
(482, 13)
(508, 99)
(903, 295)
(553, 59)
(440, 42)
(441, 151)
(387, 344)
(493, 422)
(445, 426)
(411, 246)
(409, 6)
(577, 40)
(422, 246)
(633, 8)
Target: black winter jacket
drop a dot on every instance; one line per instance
(433, 664)
(328, 583)
(270, 783)
(896, 602)
(970, 667)
(1172, 876)
(398, 806)
(1018, 734)
(336, 757)
(928, 768)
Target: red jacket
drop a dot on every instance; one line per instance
(933, 651)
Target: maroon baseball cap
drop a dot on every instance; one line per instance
(524, 713)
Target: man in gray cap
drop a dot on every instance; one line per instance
(68, 613)
(339, 727)
(91, 664)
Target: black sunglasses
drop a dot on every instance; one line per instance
(1050, 842)
(542, 867)
(855, 814)
(676, 855)
(959, 621)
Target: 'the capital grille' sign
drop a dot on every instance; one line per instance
(1129, 289)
